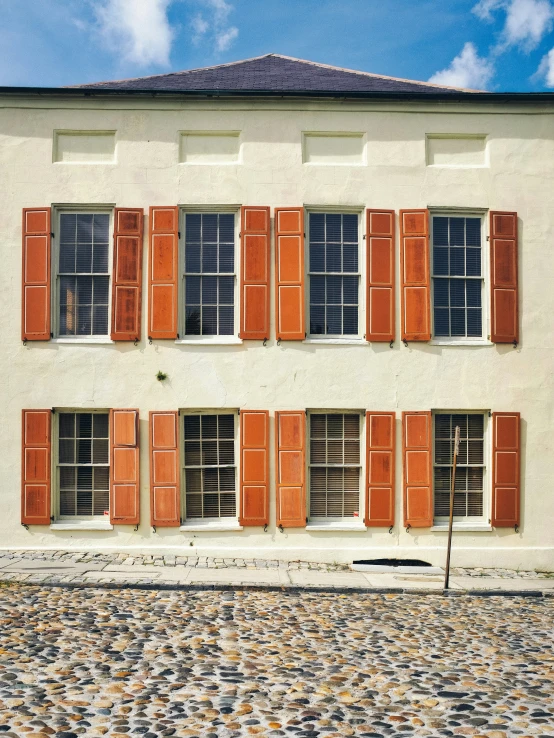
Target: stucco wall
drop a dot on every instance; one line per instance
(292, 375)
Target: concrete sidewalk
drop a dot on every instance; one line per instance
(170, 572)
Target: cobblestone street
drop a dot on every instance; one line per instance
(219, 664)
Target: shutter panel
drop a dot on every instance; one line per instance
(416, 451)
(380, 434)
(165, 498)
(36, 275)
(416, 289)
(163, 267)
(289, 253)
(254, 465)
(505, 470)
(124, 467)
(504, 290)
(35, 468)
(127, 274)
(380, 275)
(254, 281)
(291, 464)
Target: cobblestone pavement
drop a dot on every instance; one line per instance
(210, 664)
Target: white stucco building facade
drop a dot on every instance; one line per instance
(453, 158)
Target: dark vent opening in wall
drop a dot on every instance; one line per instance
(393, 562)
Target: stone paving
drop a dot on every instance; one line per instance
(211, 664)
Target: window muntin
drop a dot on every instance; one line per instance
(83, 464)
(334, 274)
(83, 274)
(209, 274)
(210, 468)
(334, 465)
(457, 276)
(470, 465)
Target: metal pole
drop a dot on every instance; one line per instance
(451, 521)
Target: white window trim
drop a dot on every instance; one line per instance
(209, 523)
(317, 523)
(481, 523)
(317, 338)
(74, 522)
(208, 340)
(484, 339)
(57, 211)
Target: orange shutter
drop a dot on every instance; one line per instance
(254, 464)
(380, 433)
(505, 469)
(163, 267)
(35, 471)
(254, 281)
(504, 291)
(289, 252)
(124, 467)
(416, 451)
(35, 324)
(127, 274)
(291, 462)
(380, 275)
(165, 498)
(416, 291)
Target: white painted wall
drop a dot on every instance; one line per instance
(520, 177)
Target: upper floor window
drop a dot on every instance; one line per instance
(83, 278)
(334, 274)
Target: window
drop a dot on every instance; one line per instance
(210, 470)
(83, 464)
(470, 466)
(334, 275)
(209, 274)
(334, 465)
(457, 276)
(83, 281)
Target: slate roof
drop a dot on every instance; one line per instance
(272, 73)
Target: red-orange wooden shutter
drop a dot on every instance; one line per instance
(35, 324)
(380, 433)
(127, 274)
(289, 254)
(415, 267)
(35, 467)
(505, 469)
(254, 281)
(254, 465)
(504, 290)
(165, 498)
(380, 275)
(291, 462)
(163, 268)
(416, 452)
(124, 467)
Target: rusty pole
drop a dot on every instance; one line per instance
(451, 521)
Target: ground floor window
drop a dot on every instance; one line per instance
(83, 464)
(210, 468)
(334, 465)
(470, 468)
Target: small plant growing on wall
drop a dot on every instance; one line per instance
(160, 376)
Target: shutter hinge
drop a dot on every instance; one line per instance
(24, 340)
(405, 342)
(265, 528)
(490, 416)
(265, 342)
(51, 518)
(516, 528)
(515, 343)
(408, 528)
(391, 342)
(25, 526)
(306, 521)
(150, 340)
(390, 529)
(179, 234)
(53, 410)
(178, 336)
(51, 335)
(281, 528)
(136, 528)
(364, 237)
(135, 342)
(488, 238)
(51, 235)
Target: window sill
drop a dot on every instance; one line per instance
(336, 341)
(461, 342)
(82, 525)
(220, 341)
(100, 340)
(211, 525)
(338, 526)
(462, 527)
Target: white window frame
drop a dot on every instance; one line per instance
(208, 340)
(226, 523)
(318, 338)
(468, 523)
(92, 522)
(484, 339)
(335, 523)
(57, 212)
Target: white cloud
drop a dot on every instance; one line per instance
(546, 69)
(468, 70)
(217, 26)
(138, 30)
(484, 8)
(224, 39)
(526, 24)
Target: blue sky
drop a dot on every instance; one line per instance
(487, 44)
